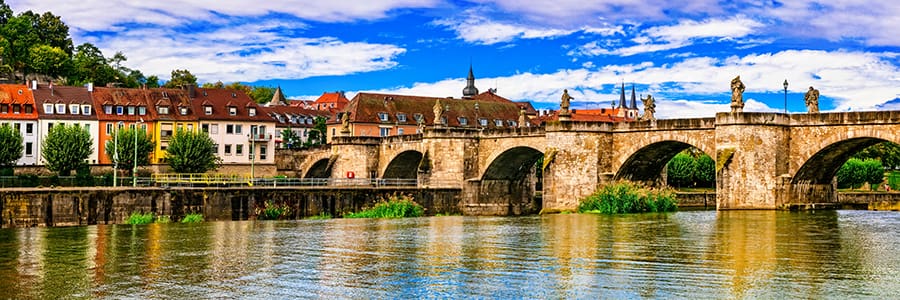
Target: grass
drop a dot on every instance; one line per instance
(137, 218)
(192, 218)
(163, 219)
(395, 207)
(322, 216)
(628, 197)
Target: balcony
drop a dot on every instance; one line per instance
(259, 137)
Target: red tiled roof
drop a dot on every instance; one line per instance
(287, 111)
(17, 94)
(64, 95)
(122, 97)
(366, 107)
(221, 99)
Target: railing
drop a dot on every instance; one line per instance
(259, 137)
(198, 179)
(223, 180)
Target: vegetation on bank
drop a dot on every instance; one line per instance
(273, 211)
(137, 218)
(192, 218)
(322, 216)
(691, 168)
(855, 172)
(396, 206)
(628, 197)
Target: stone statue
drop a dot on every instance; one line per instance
(345, 123)
(438, 112)
(812, 100)
(564, 104)
(737, 95)
(649, 108)
(522, 118)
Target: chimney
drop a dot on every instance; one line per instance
(192, 91)
(90, 87)
(33, 85)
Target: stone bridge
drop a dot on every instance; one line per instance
(764, 160)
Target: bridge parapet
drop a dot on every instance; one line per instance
(512, 132)
(356, 140)
(846, 118)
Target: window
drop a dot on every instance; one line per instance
(60, 108)
(227, 149)
(107, 109)
(333, 131)
(401, 118)
(385, 132)
(4, 108)
(462, 121)
(262, 152)
(238, 129)
(183, 110)
(214, 128)
(309, 121)
(108, 128)
(120, 110)
(483, 122)
(444, 120)
(229, 129)
(190, 127)
(207, 109)
(18, 127)
(49, 126)
(251, 111)
(17, 109)
(87, 127)
(383, 117)
(216, 148)
(132, 126)
(399, 131)
(142, 110)
(419, 118)
(232, 111)
(121, 125)
(29, 149)
(29, 109)
(204, 128)
(48, 108)
(511, 123)
(498, 123)
(130, 110)
(163, 110)
(85, 109)
(29, 129)
(239, 149)
(144, 127)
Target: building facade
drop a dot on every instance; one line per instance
(69, 105)
(242, 130)
(17, 109)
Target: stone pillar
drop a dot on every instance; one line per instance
(358, 155)
(454, 157)
(752, 157)
(576, 167)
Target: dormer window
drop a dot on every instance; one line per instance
(130, 110)
(17, 109)
(383, 117)
(232, 111)
(85, 109)
(207, 109)
(401, 118)
(163, 110)
(4, 108)
(183, 110)
(309, 121)
(418, 117)
(60, 108)
(142, 110)
(444, 120)
(251, 111)
(462, 121)
(29, 109)
(498, 122)
(165, 95)
(73, 109)
(483, 122)
(120, 109)
(511, 123)
(107, 109)
(48, 108)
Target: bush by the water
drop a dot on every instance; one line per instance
(628, 197)
(192, 218)
(273, 211)
(137, 218)
(395, 207)
(691, 168)
(855, 172)
(322, 216)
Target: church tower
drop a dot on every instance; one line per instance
(470, 90)
(623, 107)
(633, 110)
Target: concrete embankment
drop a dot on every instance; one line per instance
(27, 207)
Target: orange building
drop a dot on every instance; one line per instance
(17, 109)
(117, 108)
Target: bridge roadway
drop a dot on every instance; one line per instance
(764, 160)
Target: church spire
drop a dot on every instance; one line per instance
(470, 90)
(622, 97)
(277, 98)
(633, 98)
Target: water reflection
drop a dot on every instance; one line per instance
(738, 254)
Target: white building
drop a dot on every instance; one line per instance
(17, 109)
(238, 126)
(70, 106)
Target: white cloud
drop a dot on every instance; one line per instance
(853, 79)
(480, 30)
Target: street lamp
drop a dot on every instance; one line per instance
(477, 121)
(134, 171)
(785, 95)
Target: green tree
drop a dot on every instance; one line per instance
(89, 65)
(52, 31)
(873, 172)
(850, 175)
(289, 139)
(10, 146)
(192, 152)
(49, 60)
(317, 135)
(681, 170)
(20, 38)
(152, 81)
(5, 12)
(705, 173)
(65, 148)
(887, 152)
(262, 94)
(181, 78)
(126, 146)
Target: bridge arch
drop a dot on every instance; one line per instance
(404, 165)
(646, 164)
(512, 164)
(320, 169)
(821, 167)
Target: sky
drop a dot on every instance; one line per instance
(684, 53)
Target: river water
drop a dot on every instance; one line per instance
(690, 254)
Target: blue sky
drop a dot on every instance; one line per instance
(683, 53)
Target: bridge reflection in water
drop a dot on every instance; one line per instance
(701, 254)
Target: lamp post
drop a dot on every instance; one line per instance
(785, 95)
(134, 171)
(477, 121)
(115, 156)
(252, 158)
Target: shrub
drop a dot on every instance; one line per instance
(851, 174)
(628, 197)
(705, 174)
(401, 206)
(272, 211)
(192, 218)
(680, 170)
(873, 172)
(163, 219)
(322, 216)
(137, 218)
(29, 180)
(83, 176)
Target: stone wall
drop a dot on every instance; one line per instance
(86, 206)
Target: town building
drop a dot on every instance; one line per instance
(69, 105)
(116, 108)
(298, 120)
(239, 126)
(17, 109)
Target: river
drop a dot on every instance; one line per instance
(689, 254)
